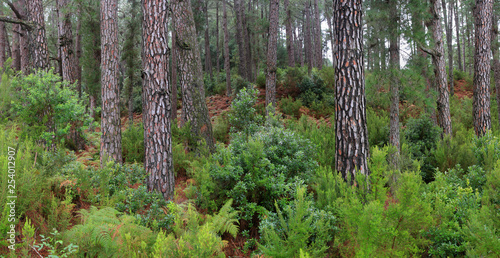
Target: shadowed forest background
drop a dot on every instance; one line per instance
(249, 128)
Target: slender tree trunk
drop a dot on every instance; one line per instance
(227, 68)
(468, 67)
(217, 36)
(23, 40)
(208, 55)
(242, 69)
(495, 45)
(16, 47)
(272, 47)
(3, 43)
(300, 47)
(482, 57)
(330, 28)
(194, 106)
(351, 142)
(111, 142)
(7, 42)
(66, 42)
(307, 37)
(457, 29)
(319, 44)
(449, 31)
(289, 44)
(78, 47)
(443, 101)
(174, 76)
(395, 75)
(156, 97)
(39, 50)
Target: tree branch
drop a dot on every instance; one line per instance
(8, 19)
(427, 50)
(14, 9)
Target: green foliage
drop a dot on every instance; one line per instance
(221, 127)
(301, 227)
(456, 150)
(462, 75)
(261, 81)
(5, 89)
(104, 233)
(422, 135)
(47, 106)
(243, 117)
(461, 113)
(312, 89)
(238, 83)
(294, 76)
(54, 245)
(378, 127)
(327, 74)
(325, 106)
(487, 150)
(291, 107)
(133, 143)
(195, 236)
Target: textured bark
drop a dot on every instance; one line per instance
(242, 69)
(308, 48)
(443, 100)
(227, 67)
(351, 142)
(111, 145)
(16, 47)
(130, 54)
(208, 55)
(395, 66)
(24, 54)
(217, 61)
(457, 38)
(194, 106)
(66, 42)
(78, 49)
(247, 40)
(158, 160)
(38, 50)
(495, 45)
(449, 32)
(482, 56)
(289, 35)
(330, 28)
(174, 77)
(318, 45)
(272, 47)
(3, 43)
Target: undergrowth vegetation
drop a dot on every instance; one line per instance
(268, 190)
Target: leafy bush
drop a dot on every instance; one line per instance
(242, 117)
(47, 106)
(195, 236)
(487, 150)
(133, 143)
(422, 135)
(300, 227)
(238, 83)
(221, 127)
(293, 76)
(456, 150)
(290, 107)
(312, 89)
(261, 81)
(378, 127)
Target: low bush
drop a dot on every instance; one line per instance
(290, 107)
(378, 127)
(133, 143)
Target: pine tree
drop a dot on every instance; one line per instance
(272, 54)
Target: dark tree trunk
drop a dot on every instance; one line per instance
(272, 47)
(495, 45)
(330, 28)
(457, 29)
(395, 66)
(66, 42)
(39, 50)
(217, 36)
(351, 142)
(111, 142)
(78, 48)
(318, 45)
(227, 67)
(438, 59)
(482, 57)
(289, 44)
(242, 69)
(16, 47)
(246, 43)
(449, 32)
(308, 48)
(174, 76)
(3, 43)
(158, 160)
(194, 106)
(208, 55)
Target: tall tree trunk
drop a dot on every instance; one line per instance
(208, 55)
(242, 69)
(156, 97)
(468, 67)
(307, 37)
(457, 29)
(443, 100)
(289, 44)
(318, 45)
(217, 36)
(495, 45)
(449, 31)
(351, 142)
(227, 67)
(194, 106)
(16, 47)
(330, 32)
(78, 49)
(3, 43)
(66, 42)
(39, 50)
(300, 47)
(272, 47)
(24, 54)
(395, 66)
(111, 142)
(482, 57)
(174, 77)
(246, 43)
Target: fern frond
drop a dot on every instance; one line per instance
(225, 220)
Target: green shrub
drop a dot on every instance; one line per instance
(133, 143)
(456, 150)
(243, 117)
(290, 107)
(5, 89)
(261, 81)
(325, 106)
(238, 83)
(327, 74)
(487, 150)
(293, 76)
(299, 227)
(221, 127)
(378, 127)
(422, 135)
(461, 114)
(47, 107)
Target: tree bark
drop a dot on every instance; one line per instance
(318, 45)
(289, 44)
(16, 47)
(66, 42)
(208, 55)
(194, 106)
(449, 32)
(351, 142)
(111, 145)
(495, 45)
(482, 57)
(174, 76)
(395, 75)
(242, 69)
(217, 36)
(3, 43)
(308, 48)
(227, 67)
(443, 100)
(78, 48)
(457, 29)
(272, 47)
(158, 160)
(330, 28)
(39, 50)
